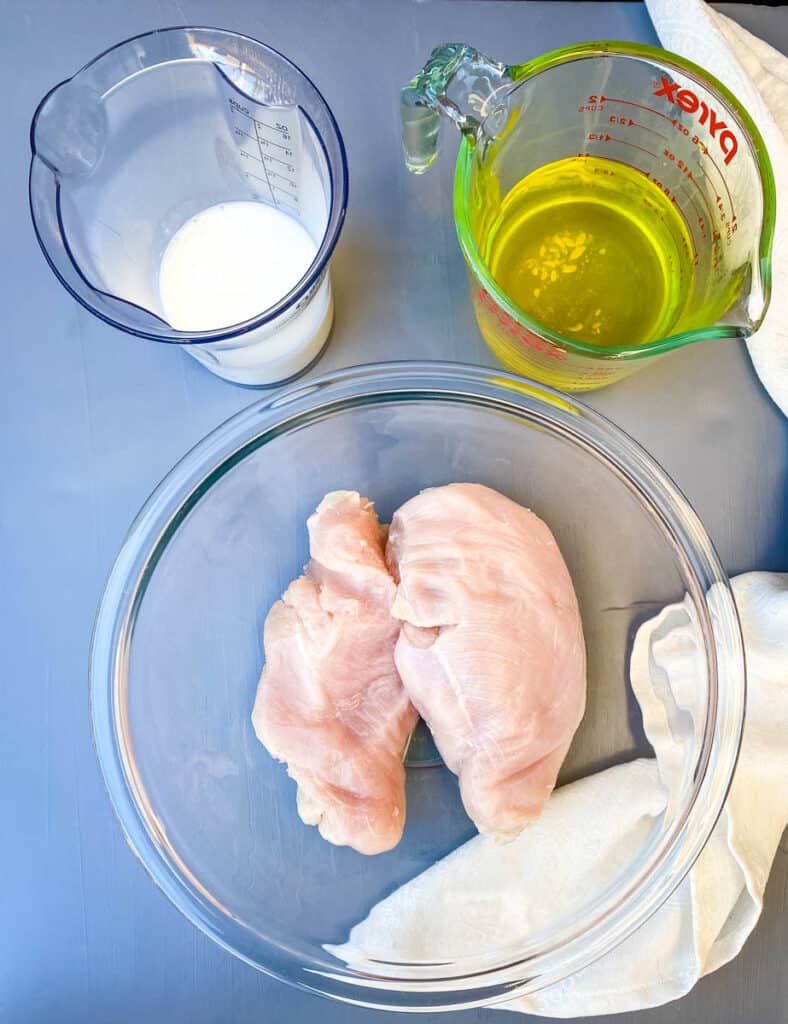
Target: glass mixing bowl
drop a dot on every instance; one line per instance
(177, 652)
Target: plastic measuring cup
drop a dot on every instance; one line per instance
(637, 105)
(160, 128)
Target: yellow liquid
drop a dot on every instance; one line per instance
(593, 250)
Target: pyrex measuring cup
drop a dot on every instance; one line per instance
(656, 113)
(160, 128)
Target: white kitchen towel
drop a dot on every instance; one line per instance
(490, 895)
(757, 75)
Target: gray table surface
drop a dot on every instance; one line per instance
(91, 419)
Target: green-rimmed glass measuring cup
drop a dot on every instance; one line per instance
(609, 123)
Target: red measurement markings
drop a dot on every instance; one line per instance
(724, 182)
(696, 141)
(666, 189)
(685, 169)
(705, 151)
(702, 171)
(699, 224)
(706, 206)
(599, 137)
(629, 103)
(732, 225)
(634, 145)
(716, 259)
(683, 129)
(511, 326)
(627, 122)
(705, 220)
(698, 209)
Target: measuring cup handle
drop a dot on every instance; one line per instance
(457, 82)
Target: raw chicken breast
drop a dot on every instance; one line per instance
(330, 701)
(491, 650)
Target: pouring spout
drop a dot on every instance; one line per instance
(69, 129)
(461, 84)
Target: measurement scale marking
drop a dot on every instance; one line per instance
(646, 128)
(696, 225)
(624, 142)
(279, 160)
(630, 103)
(705, 203)
(287, 149)
(274, 200)
(724, 182)
(265, 124)
(282, 177)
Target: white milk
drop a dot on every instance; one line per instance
(231, 262)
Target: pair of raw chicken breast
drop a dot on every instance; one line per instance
(463, 612)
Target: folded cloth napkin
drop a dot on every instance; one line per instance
(490, 895)
(757, 75)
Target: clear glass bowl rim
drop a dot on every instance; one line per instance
(420, 987)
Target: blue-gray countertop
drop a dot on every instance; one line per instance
(91, 419)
